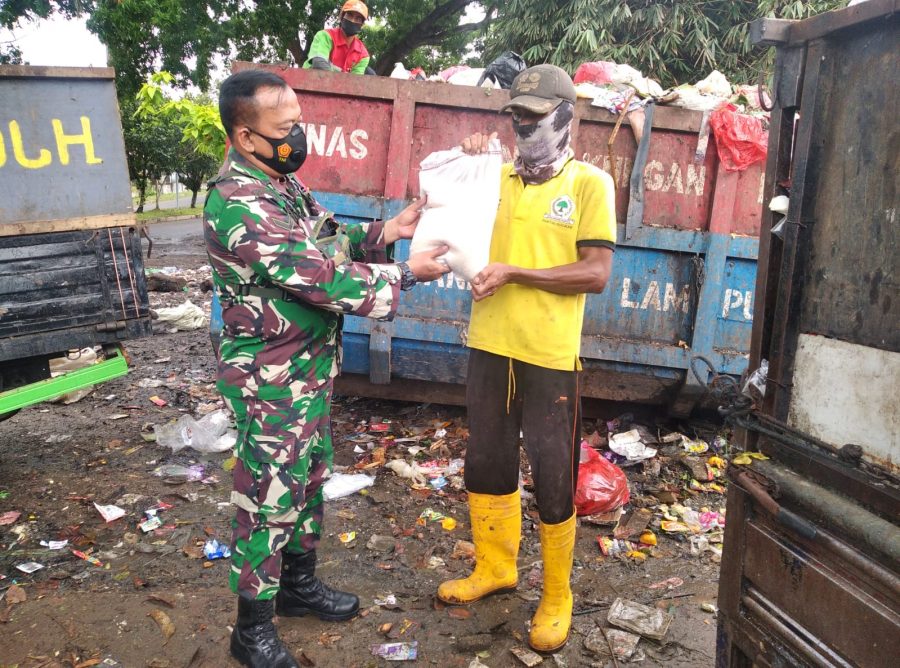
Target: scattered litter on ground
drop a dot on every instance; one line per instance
(397, 651)
(110, 513)
(210, 434)
(186, 317)
(54, 544)
(166, 627)
(526, 656)
(9, 517)
(94, 561)
(638, 618)
(340, 485)
(213, 550)
(30, 567)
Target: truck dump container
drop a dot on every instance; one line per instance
(684, 270)
(71, 272)
(812, 544)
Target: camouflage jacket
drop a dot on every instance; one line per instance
(260, 232)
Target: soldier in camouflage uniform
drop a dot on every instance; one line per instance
(286, 272)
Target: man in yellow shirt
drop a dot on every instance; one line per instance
(553, 243)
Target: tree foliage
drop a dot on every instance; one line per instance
(10, 54)
(674, 41)
(201, 145)
(426, 34)
(188, 37)
(151, 146)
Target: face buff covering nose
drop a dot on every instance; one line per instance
(350, 28)
(543, 147)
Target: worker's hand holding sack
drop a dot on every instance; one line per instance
(462, 187)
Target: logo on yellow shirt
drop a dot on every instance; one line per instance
(562, 210)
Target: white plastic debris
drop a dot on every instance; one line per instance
(186, 317)
(345, 484)
(780, 204)
(715, 84)
(399, 72)
(629, 445)
(110, 513)
(411, 472)
(637, 618)
(209, 434)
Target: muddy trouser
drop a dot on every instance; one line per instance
(284, 453)
(505, 397)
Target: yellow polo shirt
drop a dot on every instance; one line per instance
(539, 227)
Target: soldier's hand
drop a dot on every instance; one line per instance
(426, 266)
(477, 143)
(403, 226)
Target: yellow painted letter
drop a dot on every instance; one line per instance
(15, 138)
(2, 151)
(63, 141)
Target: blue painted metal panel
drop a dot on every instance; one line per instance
(673, 294)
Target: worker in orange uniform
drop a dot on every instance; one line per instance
(339, 49)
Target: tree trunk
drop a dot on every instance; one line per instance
(194, 197)
(425, 32)
(157, 187)
(298, 52)
(142, 195)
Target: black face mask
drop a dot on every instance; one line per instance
(289, 152)
(350, 28)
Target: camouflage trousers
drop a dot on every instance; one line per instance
(284, 453)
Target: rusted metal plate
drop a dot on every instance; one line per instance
(826, 314)
(809, 586)
(853, 196)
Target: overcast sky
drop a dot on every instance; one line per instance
(57, 41)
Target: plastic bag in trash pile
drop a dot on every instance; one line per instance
(741, 139)
(602, 486)
(463, 193)
(186, 317)
(504, 69)
(209, 434)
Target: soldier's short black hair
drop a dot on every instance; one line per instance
(237, 96)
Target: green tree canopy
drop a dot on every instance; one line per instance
(185, 37)
(201, 148)
(151, 146)
(674, 41)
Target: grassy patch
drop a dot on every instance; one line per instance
(169, 213)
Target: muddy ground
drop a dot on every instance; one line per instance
(57, 460)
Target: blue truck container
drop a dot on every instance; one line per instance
(684, 271)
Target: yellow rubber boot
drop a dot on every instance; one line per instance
(496, 530)
(551, 622)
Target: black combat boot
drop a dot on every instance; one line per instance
(302, 593)
(254, 641)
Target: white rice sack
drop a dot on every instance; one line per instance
(463, 194)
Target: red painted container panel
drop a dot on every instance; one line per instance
(368, 135)
(347, 143)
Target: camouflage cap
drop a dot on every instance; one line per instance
(541, 89)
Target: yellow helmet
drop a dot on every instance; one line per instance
(356, 6)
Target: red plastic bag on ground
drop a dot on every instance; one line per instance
(600, 72)
(602, 486)
(741, 139)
